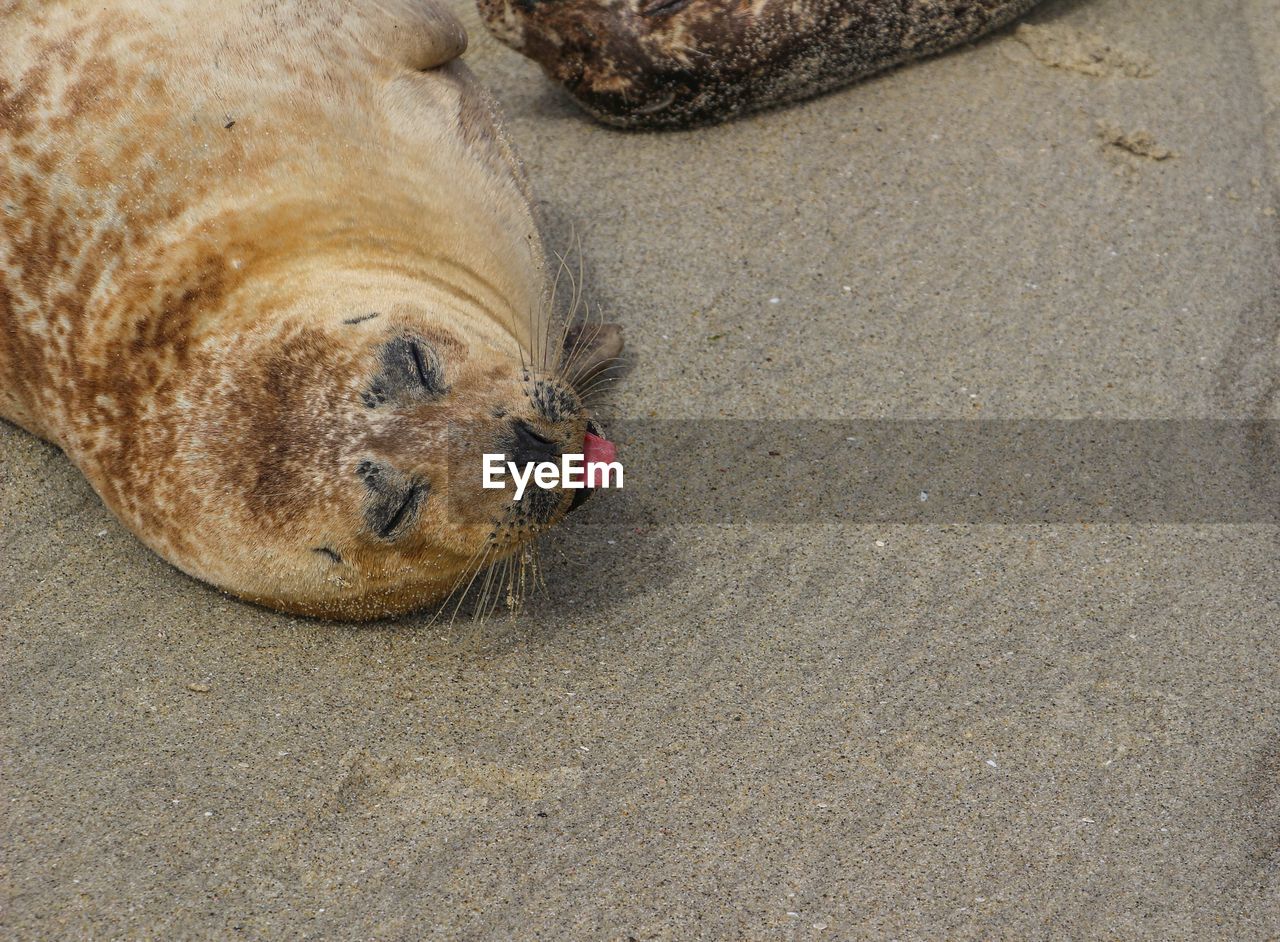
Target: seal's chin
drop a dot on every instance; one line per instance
(654, 107)
(611, 56)
(653, 101)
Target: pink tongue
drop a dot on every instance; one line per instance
(595, 448)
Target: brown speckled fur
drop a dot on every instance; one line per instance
(678, 63)
(200, 205)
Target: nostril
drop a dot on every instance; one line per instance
(529, 431)
(530, 446)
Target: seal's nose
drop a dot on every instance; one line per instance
(531, 447)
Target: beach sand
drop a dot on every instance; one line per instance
(811, 729)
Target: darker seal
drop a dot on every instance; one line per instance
(681, 63)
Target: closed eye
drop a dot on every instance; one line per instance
(411, 370)
(393, 498)
(400, 513)
(428, 372)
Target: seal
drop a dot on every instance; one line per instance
(681, 63)
(269, 276)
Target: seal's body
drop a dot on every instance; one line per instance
(677, 63)
(268, 274)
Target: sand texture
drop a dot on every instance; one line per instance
(808, 729)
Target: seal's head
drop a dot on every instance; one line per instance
(636, 63)
(334, 465)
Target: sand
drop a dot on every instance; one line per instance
(808, 729)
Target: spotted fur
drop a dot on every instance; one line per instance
(677, 63)
(221, 227)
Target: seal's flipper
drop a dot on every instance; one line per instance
(419, 34)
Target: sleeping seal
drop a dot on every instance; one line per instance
(679, 63)
(270, 278)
